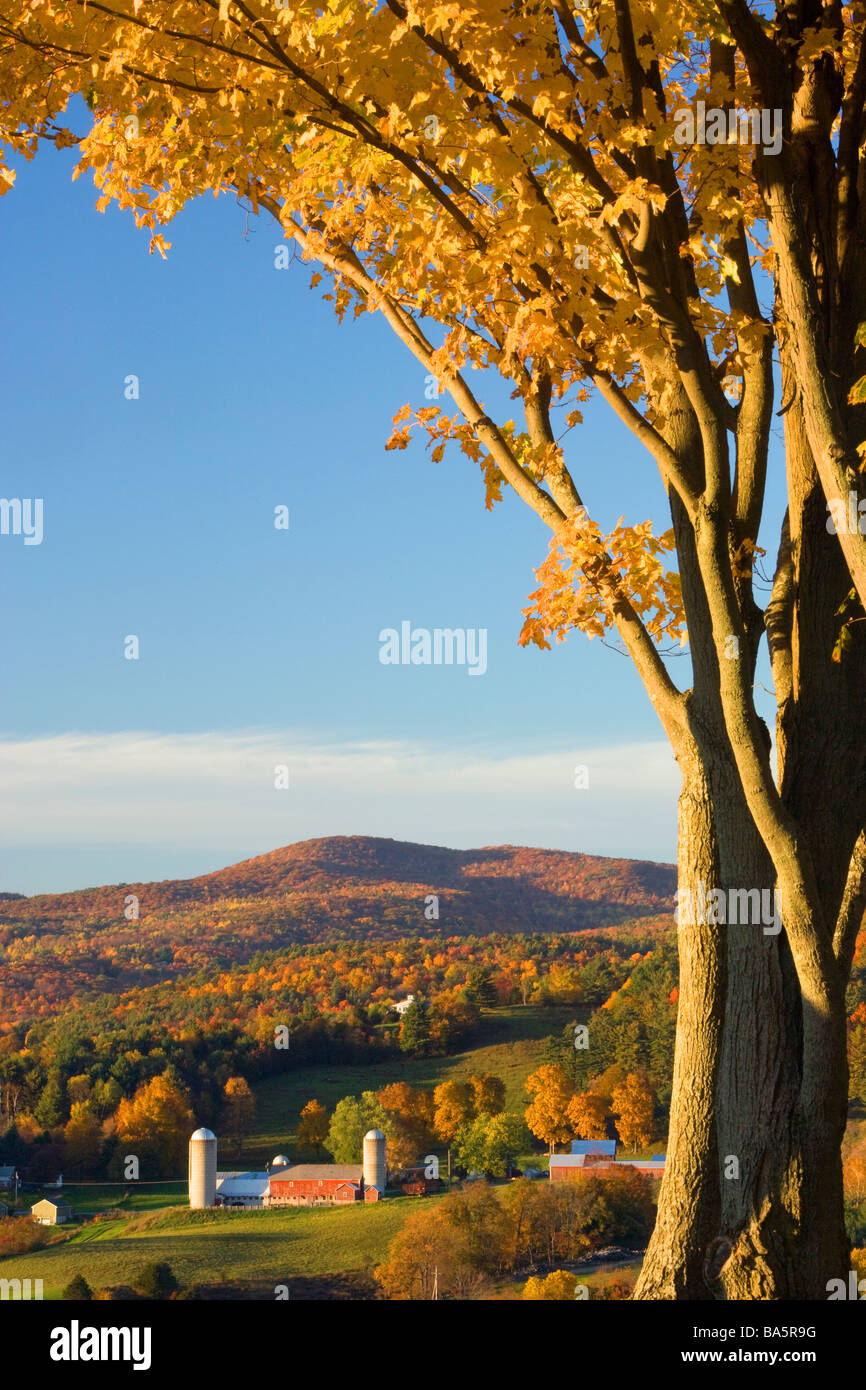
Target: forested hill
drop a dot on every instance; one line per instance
(361, 881)
(61, 947)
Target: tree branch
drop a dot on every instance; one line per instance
(853, 907)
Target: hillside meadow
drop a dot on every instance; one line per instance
(510, 1045)
(249, 1253)
(216, 1246)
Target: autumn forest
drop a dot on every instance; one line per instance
(618, 249)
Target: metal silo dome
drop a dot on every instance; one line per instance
(281, 1161)
(202, 1169)
(375, 1167)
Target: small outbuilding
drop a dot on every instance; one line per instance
(601, 1148)
(51, 1212)
(241, 1189)
(418, 1186)
(589, 1164)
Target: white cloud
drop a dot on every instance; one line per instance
(214, 792)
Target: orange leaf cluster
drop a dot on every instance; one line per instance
(586, 574)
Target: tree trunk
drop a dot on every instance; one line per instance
(689, 1198)
(728, 1059)
(784, 1216)
(751, 1203)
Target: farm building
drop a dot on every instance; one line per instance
(304, 1184)
(595, 1147)
(9, 1184)
(596, 1159)
(420, 1186)
(284, 1183)
(417, 1181)
(202, 1169)
(51, 1212)
(8, 1180)
(241, 1189)
(403, 1005)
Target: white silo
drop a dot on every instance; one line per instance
(202, 1169)
(375, 1167)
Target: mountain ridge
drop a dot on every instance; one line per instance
(313, 895)
(366, 867)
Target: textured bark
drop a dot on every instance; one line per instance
(783, 1097)
(776, 1119)
(689, 1198)
(751, 1204)
(682, 1256)
(783, 1218)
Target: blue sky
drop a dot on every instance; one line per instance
(260, 647)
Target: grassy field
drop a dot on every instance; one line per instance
(213, 1246)
(128, 1197)
(258, 1248)
(509, 1044)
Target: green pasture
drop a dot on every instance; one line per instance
(86, 1198)
(216, 1246)
(509, 1044)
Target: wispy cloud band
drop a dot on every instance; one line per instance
(216, 792)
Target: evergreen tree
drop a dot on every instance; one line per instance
(415, 1031)
(157, 1280)
(559, 1050)
(51, 1104)
(480, 989)
(77, 1290)
(13, 1149)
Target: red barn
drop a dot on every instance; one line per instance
(307, 1184)
(420, 1187)
(568, 1167)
